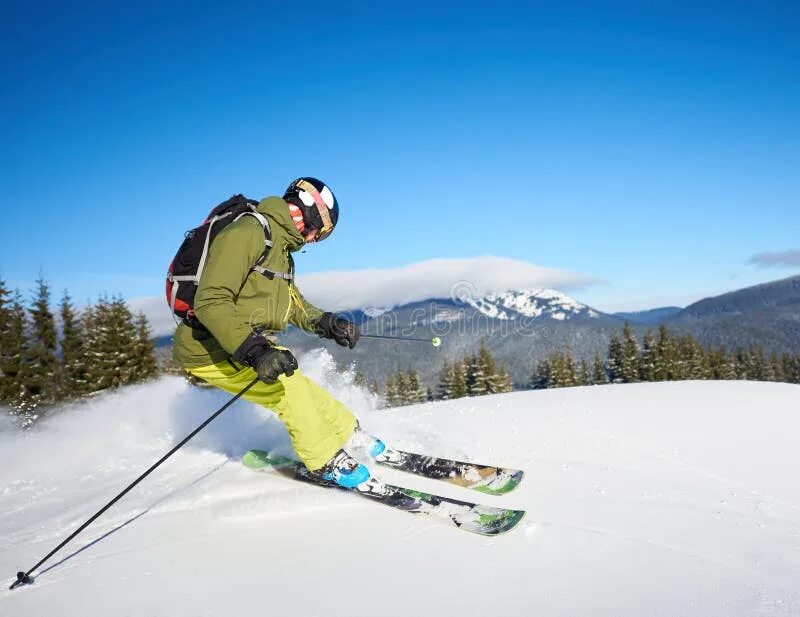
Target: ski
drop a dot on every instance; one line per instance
(482, 478)
(472, 517)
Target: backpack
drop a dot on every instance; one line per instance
(183, 275)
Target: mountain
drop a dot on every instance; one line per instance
(651, 317)
(520, 327)
(767, 315)
(531, 303)
(638, 504)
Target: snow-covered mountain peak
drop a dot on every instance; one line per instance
(530, 303)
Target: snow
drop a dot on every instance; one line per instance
(530, 303)
(646, 499)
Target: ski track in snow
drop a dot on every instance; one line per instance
(646, 499)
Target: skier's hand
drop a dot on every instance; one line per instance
(266, 359)
(273, 362)
(341, 330)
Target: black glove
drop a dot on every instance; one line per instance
(267, 360)
(339, 329)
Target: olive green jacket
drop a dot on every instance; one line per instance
(232, 300)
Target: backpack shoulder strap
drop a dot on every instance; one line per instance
(270, 274)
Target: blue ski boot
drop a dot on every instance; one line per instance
(344, 470)
(362, 444)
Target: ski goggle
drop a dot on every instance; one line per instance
(322, 208)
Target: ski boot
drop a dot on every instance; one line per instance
(344, 470)
(363, 443)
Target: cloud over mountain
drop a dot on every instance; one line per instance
(464, 279)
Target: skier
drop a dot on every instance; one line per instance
(240, 302)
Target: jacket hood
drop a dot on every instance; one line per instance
(276, 209)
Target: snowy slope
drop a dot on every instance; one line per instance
(531, 303)
(652, 499)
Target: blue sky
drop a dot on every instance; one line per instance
(651, 146)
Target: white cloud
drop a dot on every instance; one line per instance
(388, 287)
(157, 311)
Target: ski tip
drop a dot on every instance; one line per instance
(505, 523)
(255, 459)
(258, 459)
(512, 481)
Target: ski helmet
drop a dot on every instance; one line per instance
(317, 204)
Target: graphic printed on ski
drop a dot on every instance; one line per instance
(472, 517)
(483, 478)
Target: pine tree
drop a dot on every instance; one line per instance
(5, 320)
(665, 356)
(110, 343)
(476, 378)
(693, 363)
(543, 375)
(39, 371)
(73, 377)
(648, 365)
(445, 388)
(13, 350)
(565, 372)
(599, 376)
(144, 351)
(460, 379)
(720, 365)
(488, 367)
(391, 392)
(630, 356)
(403, 387)
(502, 381)
(416, 392)
(584, 375)
(616, 360)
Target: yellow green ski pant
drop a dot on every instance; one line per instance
(318, 424)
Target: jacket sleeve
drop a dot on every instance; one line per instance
(231, 256)
(303, 314)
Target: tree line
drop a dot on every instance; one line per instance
(663, 356)
(473, 375)
(103, 346)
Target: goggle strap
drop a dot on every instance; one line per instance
(322, 208)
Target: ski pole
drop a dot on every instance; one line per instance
(435, 341)
(24, 578)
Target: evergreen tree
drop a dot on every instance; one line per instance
(649, 362)
(692, 362)
(445, 388)
(392, 392)
(111, 343)
(144, 351)
(460, 379)
(720, 365)
(13, 350)
(416, 393)
(403, 388)
(665, 356)
(5, 320)
(776, 368)
(73, 377)
(39, 371)
(599, 376)
(476, 378)
(543, 375)
(629, 369)
(565, 373)
(502, 381)
(584, 375)
(616, 360)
